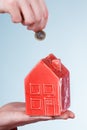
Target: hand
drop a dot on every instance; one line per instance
(13, 115)
(32, 13)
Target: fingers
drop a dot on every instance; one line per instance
(65, 115)
(27, 13)
(41, 15)
(71, 114)
(31, 13)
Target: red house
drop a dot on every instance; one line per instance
(47, 88)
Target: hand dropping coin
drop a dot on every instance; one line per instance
(40, 35)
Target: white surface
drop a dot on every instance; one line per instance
(66, 38)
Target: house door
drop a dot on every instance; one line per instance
(49, 106)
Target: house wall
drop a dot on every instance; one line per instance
(42, 89)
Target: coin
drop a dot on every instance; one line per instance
(40, 35)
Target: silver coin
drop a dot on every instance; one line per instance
(40, 35)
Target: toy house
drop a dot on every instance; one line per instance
(47, 88)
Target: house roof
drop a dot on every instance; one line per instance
(55, 65)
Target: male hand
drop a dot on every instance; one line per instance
(31, 13)
(13, 115)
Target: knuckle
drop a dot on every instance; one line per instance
(29, 22)
(12, 3)
(45, 15)
(38, 19)
(16, 19)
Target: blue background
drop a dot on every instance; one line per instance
(66, 38)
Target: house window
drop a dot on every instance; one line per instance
(35, 103)
(35, 89)
(48, 89)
